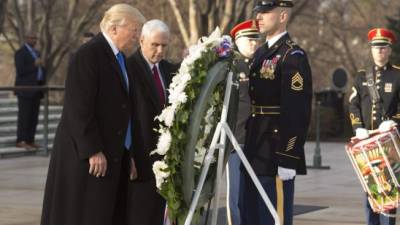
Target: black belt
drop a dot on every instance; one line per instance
(265, 110)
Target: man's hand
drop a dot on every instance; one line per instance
(286, 173)
(386, 126)
(98, 165)
(133, 172)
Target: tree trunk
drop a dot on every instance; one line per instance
(3, 9)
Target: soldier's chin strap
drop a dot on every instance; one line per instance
(374, 94)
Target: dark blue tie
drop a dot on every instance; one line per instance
(35, 55)
(121, 62)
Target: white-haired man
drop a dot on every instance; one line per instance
(90, 164)
(151, 76)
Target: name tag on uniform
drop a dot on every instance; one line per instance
(388, 87)
(364, 84)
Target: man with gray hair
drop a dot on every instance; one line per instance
(90, 162)
(151, 76)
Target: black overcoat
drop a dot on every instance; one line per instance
(96, 113)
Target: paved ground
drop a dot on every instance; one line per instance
(22, 181)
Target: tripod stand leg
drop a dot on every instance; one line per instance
(207, 161)
(251, 173)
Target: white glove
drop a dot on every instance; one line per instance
(386, 126)
(285, 173)
(362, 133)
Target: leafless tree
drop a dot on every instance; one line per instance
(334, 33)
(3, 4)
(201, 17)
(58, 23)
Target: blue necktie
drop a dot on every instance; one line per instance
(35, 55)
(128, 136)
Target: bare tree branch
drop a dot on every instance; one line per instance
(227, 15)
(193, 22)
(180, 22)
(3, 10)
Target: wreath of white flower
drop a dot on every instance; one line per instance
(183, 92)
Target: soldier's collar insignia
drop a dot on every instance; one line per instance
(297, 82)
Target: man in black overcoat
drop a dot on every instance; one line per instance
(90, 163)
(152, 76)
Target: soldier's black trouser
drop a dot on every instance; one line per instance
(281, 194)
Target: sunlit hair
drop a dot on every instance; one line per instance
(118, 14)
(154, 25)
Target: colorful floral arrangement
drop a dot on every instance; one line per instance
(174, 119)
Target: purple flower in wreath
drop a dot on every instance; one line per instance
(224, 49)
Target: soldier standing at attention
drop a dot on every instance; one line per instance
(374, 101)
(247, 40)
(280, 91)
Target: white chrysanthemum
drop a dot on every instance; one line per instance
(167, 115)
(184, 68)
(177, 98)
(194, 54)
(164, 142)
(159, 170)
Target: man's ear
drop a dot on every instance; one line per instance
(114, 29)
(141, 40)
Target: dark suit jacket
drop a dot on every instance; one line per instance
(97, 109)
(147, 107)
(27, 72)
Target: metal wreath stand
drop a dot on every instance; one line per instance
(218, 73)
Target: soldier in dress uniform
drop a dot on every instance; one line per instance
(247, 39)
(374, 101)
(280, 91)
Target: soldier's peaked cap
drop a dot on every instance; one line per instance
(381, 37)
(268, 5)
(248, 28)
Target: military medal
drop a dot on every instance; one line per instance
(268, 67)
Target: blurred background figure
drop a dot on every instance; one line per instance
(29, 72)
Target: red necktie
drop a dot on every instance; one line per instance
(159, 86)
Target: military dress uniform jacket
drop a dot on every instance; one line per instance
(366, 114)
(281, 94)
